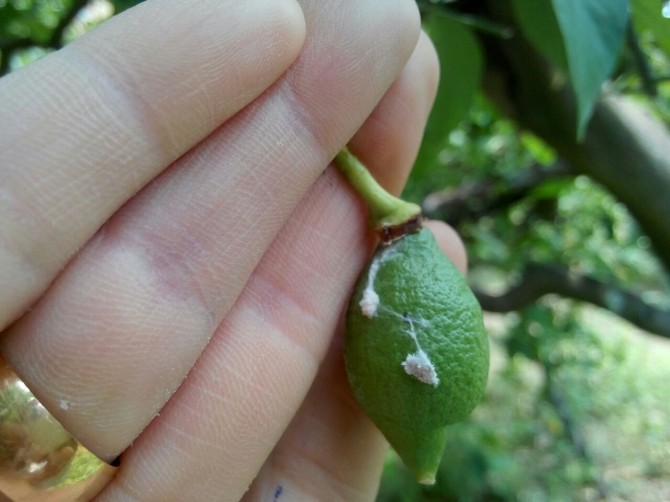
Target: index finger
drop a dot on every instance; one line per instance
(85, 128)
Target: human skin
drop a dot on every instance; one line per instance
(176, 252)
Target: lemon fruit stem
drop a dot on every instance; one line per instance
(390, 216)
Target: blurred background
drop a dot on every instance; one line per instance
(548, 149)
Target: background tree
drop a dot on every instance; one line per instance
(548, 150)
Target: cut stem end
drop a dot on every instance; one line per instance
(390, 216)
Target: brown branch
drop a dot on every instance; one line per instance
(540, 280)
(471, 202)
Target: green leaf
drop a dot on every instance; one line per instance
(539, 25)
(121, 5)
(593, 31)
(538, 149)
(647, 17)
(8, 13)
(461, 67)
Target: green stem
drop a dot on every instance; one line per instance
(385, 209)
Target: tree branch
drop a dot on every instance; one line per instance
(471, 202)
(625, 148)
(539, 280)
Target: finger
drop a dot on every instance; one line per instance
(102, 117)
(450, 243)
(213, 435)
(331, 450)
(121, 327)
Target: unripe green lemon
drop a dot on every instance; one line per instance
(416, 349)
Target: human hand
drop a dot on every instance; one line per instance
(174, 258)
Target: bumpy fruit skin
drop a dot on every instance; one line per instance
(424, 304)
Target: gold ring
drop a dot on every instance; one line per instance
(39, 460)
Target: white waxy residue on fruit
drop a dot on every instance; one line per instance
(370, 300)
(417, 364)
(420, 367)
(369, 303)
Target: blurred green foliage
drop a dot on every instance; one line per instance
(577, 398)
(578, 402)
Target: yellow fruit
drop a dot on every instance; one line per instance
(416, 349)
